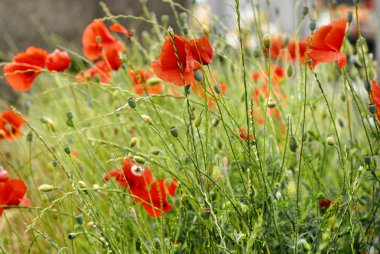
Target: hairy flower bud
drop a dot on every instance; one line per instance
(174, 132)
(46, 188)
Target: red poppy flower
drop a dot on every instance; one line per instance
(375, 89)
(324, 203)
(297, 50)
(326, 43)
(190, 55)
(12, 191)
(25, 67)
(10, 125)
(156, 203)
(140, 78)
(98, 41)
(120, 29)
(276, 46)
(244, 134)
(221, 89)
(99, 69)
(58, 61)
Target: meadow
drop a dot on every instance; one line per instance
(176, 141)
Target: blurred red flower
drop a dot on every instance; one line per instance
(25, 67)
(191, 54)
(244, 135)
(375, 89)
(326, 43)
(151, 194)
(58, 61)
(324, 203)
(99, 69)
(120, 29)
(10, 125)
(12, 191)
(140, 78)
(98, 41)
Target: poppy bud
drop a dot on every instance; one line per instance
(289, 70)
(185, 30)
(170, 31)
(330, 141)
(155, 151)
(174, 132)
(312, 26)
(79, 219)
(293, 144)
(305, 11)
(310, 63)
(372, 108)
(133, 142)
(215, 122)
(72, 236)
(29, 137)
(198, 75)
(198, 121)
(292, 189)
(343, 96)
(132, 102)
(139, 159)
(69, 120)
(266, 41)
(165, 20)
(54, 163)
(349, 17)
(157, 243)
(367, 160)
(256, 54)
(91, 224)
(147, 119)
(46, 188)
(48, 122)
(153, 81)
(97, 78)
(271, 104)
(183, 17)
(341, 123)
(81, 185)
(285, 41)
(67, 149)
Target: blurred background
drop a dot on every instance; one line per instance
(51, 24)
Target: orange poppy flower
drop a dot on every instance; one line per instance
(297, 50)
(244, 135)
(98, 41)
(276, 46)
(375, 89)
(326, 43)
(25, 67)
(140, 78)
(120, 29)
(191, 54)
(99, 69)
(12, 191)
(10, 125)
(58, 61)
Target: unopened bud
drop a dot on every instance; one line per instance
(289, 70)
(183, 17)
(312, 26)
(293, 144)
(292, 189)
(217, 89)
(349, 16)
(132, 102)
(330, 141)
(198, 75)
(367, 160)
(54, 163)
(133, 142)
(165, 20)
(155, 151)
(372, 108)
(79, 219)
(198, 121)
(215, 122)
(29, 137)
(139, 159)
(67, 149)
(81, 185)
(72, 236)
(266, 41)
(305, 11)
(46, 188)
(256, 54)
(153, 81)
(174, 132)
(147, 119)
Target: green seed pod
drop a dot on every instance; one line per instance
(198, 75)
(312, 26)
(79, 219)
(46, 188)
(271, 104)
(330, 141)
(67, 149)
(183, 17)
(97, 78)
(289, 70)
(343, 96)
(285, 41)
(69, 115)
(293, 144)
(174, 132)
(305, 11)
(72, 236)
(349, 16)
(155, 151)
(147, 119)
(55, 163)
(132, 102)
(153, 81)
(29, 137)
(133, 142)
(256, 54)
(165, 20)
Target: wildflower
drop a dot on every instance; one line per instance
(141, 80)
(324, 204)
(244, 135)
(99, 42)
(120, 29)
(326, 43)
(220, 88)
(191, 54)
(375, 89)
(10, 125)
(58, 60)
(297, 50)
(99, 69)
(12, 191)
(25, 67)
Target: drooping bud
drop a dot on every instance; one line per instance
(174, 132)
(330, 141)
(133, 142)
(266, 41)
(183, 17)
(153, 81)
(289, 70)
(132, 102)
(46, 188)
(372, 108)
(293, 144)
(198, 75)
(67, 149)
(147, 119)
(139, 159)
(305, 11)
